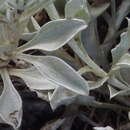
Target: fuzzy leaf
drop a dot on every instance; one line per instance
(72, 7)
(63, 96)
(81, 52)
(124, 61)
(121, 48)
(34, 79)
(28, 36)
(56, 70)
(33, 6)
(77, 9)
(96, 11)
(10, 103)
(114, 92)
(118, 84)
(97, 84)
(54, 34)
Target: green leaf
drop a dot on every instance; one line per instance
(54, 35)
(10, 103)
(59, 72)
(33, 79)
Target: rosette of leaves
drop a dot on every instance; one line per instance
(88, 44)
(44, 73)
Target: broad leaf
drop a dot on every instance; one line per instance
(10, 103)
(56, 70)
(54, 34)
(34, 79)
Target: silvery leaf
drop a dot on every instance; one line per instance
(34, 6)
(129, 115)
(103, 128)
(54, 125)
(121, 48)
(10, 103)
(72, 7)
(124, 72)
(33, 79)
(77, 9)
(52, 11)
(28, 36)
(98, 83)
(81, 52)
(6, 48)
(2, 2)
(118, 84)
(124, 61)
(54, 34)
(122, 12)
(96, 11)
(57, 71)
(128, 31)
(84, 70)
(114, 92)
(33, 26)
(63, 96)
